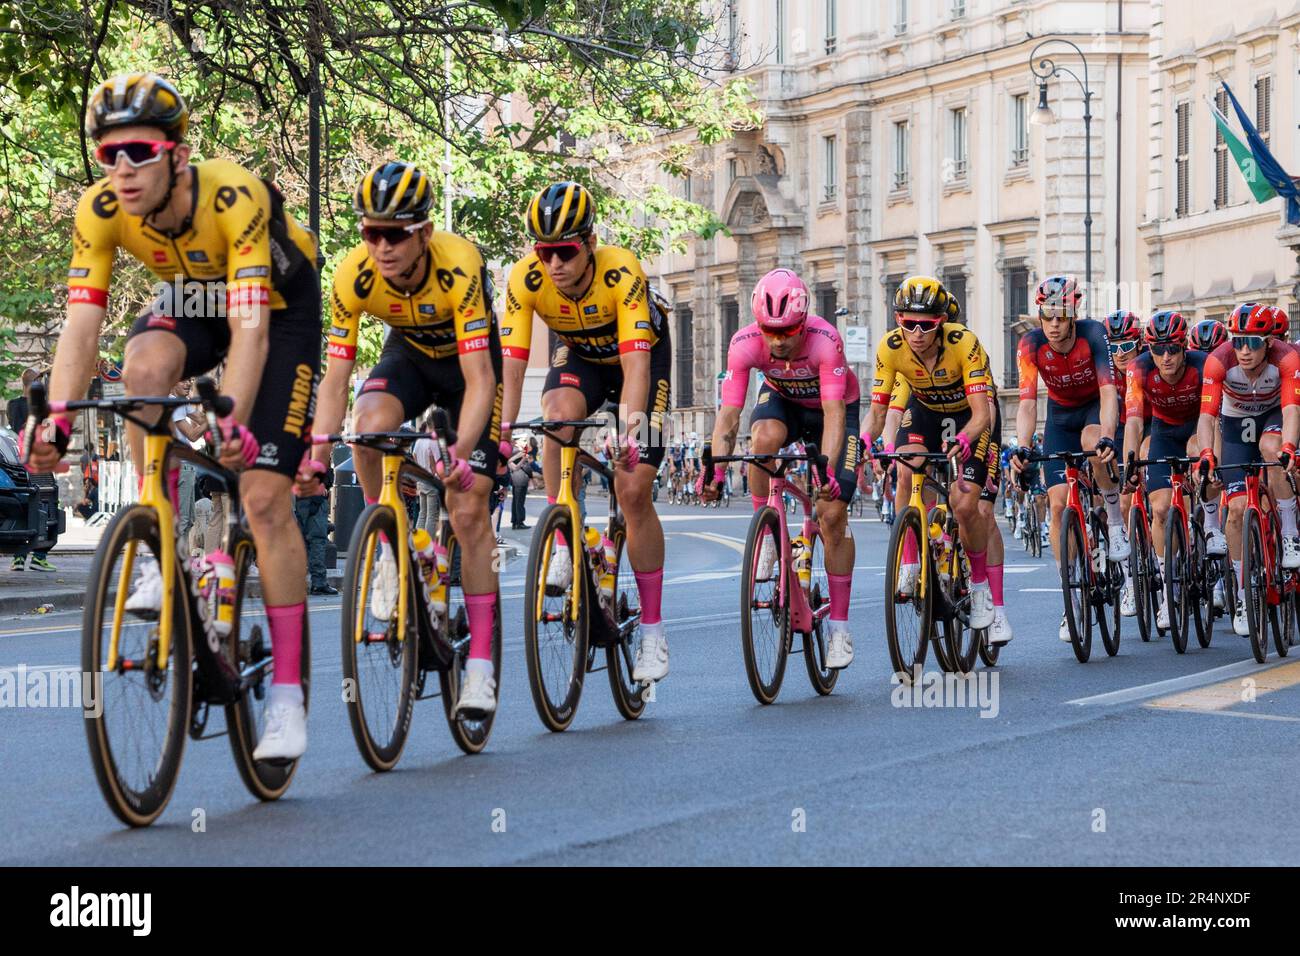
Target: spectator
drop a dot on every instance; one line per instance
(17, 420)
(312, 509)
(521, 470)
(89, 484)
(188, 424)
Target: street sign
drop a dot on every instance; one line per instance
(857, 343)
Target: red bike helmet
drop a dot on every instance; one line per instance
(1059, 291)
(1250, 318)
(1166, 326)
(1281, 323)
(1208, 335)
(1123, 325)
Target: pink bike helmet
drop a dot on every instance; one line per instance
(780, 300)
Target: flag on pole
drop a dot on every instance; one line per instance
(1258, 185)
(1266, 166)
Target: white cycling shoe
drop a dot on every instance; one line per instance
(981, 607)
(907, 575)
(766, 559)
(559, 574)
(1065, 630)
(285, 736)
(1162, 615)
(651, 655)
(1291, 552)
(1220, 600)
(839, 649)
(1128, 606)
(1240, 622)
(478, 693)
(1216, 542)
(146, 597)
(1118, 543)
(1000, 630)
(383, 590)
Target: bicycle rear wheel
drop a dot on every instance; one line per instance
(1178, 575)
(1106, 593)
(555, 640)
(1140, 565)
(470, 730)
(1254, 573)
(620, 655)
(1200, 594)
(1076, 575)
(1281, 617)
(379, 652)
(908, 617)
(248, 650)
(764, 609)
(963, 642)
(136, 715)
(814, 642)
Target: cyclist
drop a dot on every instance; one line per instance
(221, 236)
(1124, 340)
(1164, 383)
(431, 288)
(1250, 399)
(613, 346)
(947, 370)
(809, 394)
(1071, 355)
(1206, 336)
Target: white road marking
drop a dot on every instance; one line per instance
(1228, 713)
(1157, 688)
(735, 544)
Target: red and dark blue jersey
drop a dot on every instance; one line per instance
(1072, 379)
(1176, 403)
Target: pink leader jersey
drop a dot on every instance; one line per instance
(814, 374)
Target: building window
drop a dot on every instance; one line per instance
(730, 321)
(1264, 107)
(829, 175)
(1182, 157)
(902, 154)
(957, 10)
(1016, 297)
(900, 17)
(1019, 129)
(957, 143)
(732, 59)
(733, 169)
(891, 289)
(1220, 155)
(684, 345)
(954, 280)
(826, 302)
(831, 26)
(687, 191)
(780, 31)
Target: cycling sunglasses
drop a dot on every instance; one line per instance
(394, 235)
(138, 152)
(1249, 341)
(1166, 348)
(564, 251)
(919, 324)
(787, 332)
(1123, 348)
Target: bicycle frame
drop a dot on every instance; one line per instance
(916, 499)
(1254, 502)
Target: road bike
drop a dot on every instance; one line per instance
(1144, 568)
(565, 629)
(1091, 582)
(158, 673)
(403, 620)
(1270, 591)
(795, 597)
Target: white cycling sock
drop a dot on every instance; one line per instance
(1113, 514)
(1286, 511)
(1241, 584)
(1212, 516)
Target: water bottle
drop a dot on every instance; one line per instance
(217, 590)
(608, 572)
(422, 546)
(802, 560)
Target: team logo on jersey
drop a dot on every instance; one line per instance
(590, 309)
(395, 308)
(159, 255)
(941, 373)
(564, 309)
(196, 255)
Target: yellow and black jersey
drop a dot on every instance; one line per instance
(961, 370)
(449, 314)
(239, 234)
(614, 316)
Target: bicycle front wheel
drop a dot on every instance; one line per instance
(379, 652)
(1178, 575)
(1281, 616)
(1200, 593)
(1254, 574)
(1107, 590)
(814, 642)
(137, 714)
(764, 606)
(469, 730)
(1076, 583)
(625, 614)
(1141, 565)
(908, 614)
(555, 638)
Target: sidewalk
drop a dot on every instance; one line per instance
(26, 592)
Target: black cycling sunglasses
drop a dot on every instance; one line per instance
(1249, 341)
(1166, 348)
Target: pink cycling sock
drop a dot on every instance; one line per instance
(286, 642)
(979, 571)
(995, 583)
(481, 609)
(650, 585)
(910, 553)
(369, 500)
(559, 535)
(840, 586)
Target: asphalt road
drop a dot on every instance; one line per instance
(1148, 758)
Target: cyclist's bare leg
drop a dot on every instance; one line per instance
(645, 535)
(966, 509)
(1160, 503)
(833, 519)
(767, 436)
(374, 412)
(281, 556)
(1056, 499)
(471, 520)
(152, 366)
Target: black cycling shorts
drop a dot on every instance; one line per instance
(418, 381)
(1240, 443)
(806, 425)
(932, 430)
(994, 452)
(604, 383)
(286, 398)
